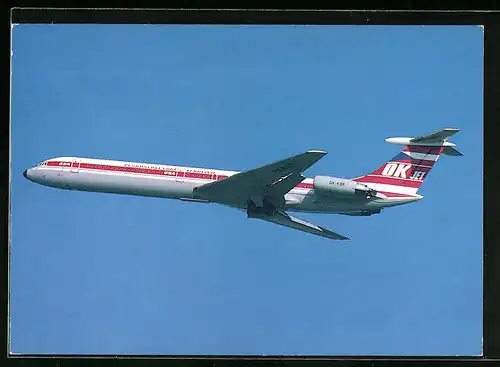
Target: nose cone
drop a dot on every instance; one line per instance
(28, 174)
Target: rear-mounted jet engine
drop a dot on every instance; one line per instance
(334, 186)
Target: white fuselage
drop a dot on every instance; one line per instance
(176, 182)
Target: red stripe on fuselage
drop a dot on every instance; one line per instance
(174, 173)
(201, 176)
(59, 164)
(305, 186)
(149, 171)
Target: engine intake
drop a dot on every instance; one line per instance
(334, 186)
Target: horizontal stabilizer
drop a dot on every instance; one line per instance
(451, 151)
(441, 135)
(284, 219)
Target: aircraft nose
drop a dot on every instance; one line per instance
(25, 173)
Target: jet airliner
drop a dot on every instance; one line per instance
(268, 192)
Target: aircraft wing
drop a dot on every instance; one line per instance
(284, 184)
(284, 219)
(274, 179)
(441, 135)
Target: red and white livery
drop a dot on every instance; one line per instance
(267, 192)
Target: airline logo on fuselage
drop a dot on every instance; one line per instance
(398, 170)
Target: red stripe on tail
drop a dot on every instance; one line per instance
(423, 149)
(391, 181)
(403, 170)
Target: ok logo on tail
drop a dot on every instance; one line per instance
(396, 170)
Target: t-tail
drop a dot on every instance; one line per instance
(403, 175)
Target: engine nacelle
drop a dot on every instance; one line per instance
(334, 186)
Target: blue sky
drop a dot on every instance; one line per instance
(102, 273)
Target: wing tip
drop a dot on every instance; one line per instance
(343, 238)
(332, 235)
(317, 151)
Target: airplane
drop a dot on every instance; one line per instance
(268, 192)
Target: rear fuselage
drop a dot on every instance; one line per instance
(175, 182)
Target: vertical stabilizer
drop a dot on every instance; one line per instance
(404, 174)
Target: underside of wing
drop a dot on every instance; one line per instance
(284, 219)
(451, 151)
(274, 179)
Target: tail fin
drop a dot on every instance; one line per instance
(404, 174)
